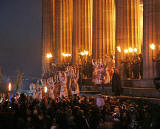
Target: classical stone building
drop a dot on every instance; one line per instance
(99, 27)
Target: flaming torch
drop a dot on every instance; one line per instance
(9, 86)
(45, 89)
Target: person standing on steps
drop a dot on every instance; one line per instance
(116, 83)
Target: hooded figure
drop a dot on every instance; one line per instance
(116, 83)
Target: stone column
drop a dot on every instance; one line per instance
(157, 19)
(82, 31)
(75, 31)
(127, 23)
(103, 28)
(63, 30)
(57, 31)
(149, 33)
(127, 28)
(66, 29)
(47, 31)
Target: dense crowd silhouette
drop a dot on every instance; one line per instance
(77, 112)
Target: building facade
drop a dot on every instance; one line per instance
(99, 27)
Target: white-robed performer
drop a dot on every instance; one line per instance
(51, 87)
(57, 86)
(110, 63)
(94, 78)
(74, 85)
(68, 74)
(107, 76)
(63, 83)
(99, 72)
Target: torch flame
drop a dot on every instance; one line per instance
(119, 49)
(9, 86)
(152, 46)
(45, 89)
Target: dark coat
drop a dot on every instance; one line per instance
(116, 83)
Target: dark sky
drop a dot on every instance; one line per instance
(20, 37)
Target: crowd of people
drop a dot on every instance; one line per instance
(133, 66)
(77, 112)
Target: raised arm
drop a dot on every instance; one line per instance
(93, 62)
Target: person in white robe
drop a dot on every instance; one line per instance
(51, 87)
(57, 86)
(68, 74)
(94, 72)
(63, 83)
(75, 86)
(99, 71)
(107, 76)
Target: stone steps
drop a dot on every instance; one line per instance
(138, 83)
(89, 93)
(152, 100)
(141, 92)
(127, 91)
(93, 87)
(87, 82)
(134, 88)
(123, 97)
(96, 90)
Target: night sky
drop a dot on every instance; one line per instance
(20, 37)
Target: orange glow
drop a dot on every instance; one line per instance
(66, 54)
(135, 49)
(84, 53)
(125, 50)
(119, 49)
(140, 27)
(130, 50)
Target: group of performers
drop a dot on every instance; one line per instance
(64, 83)
(103, 69)
(61, 84)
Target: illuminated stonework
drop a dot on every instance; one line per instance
(72, 26)
(128, 24)
(103, 28)
(99, 26)
(82, 28)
